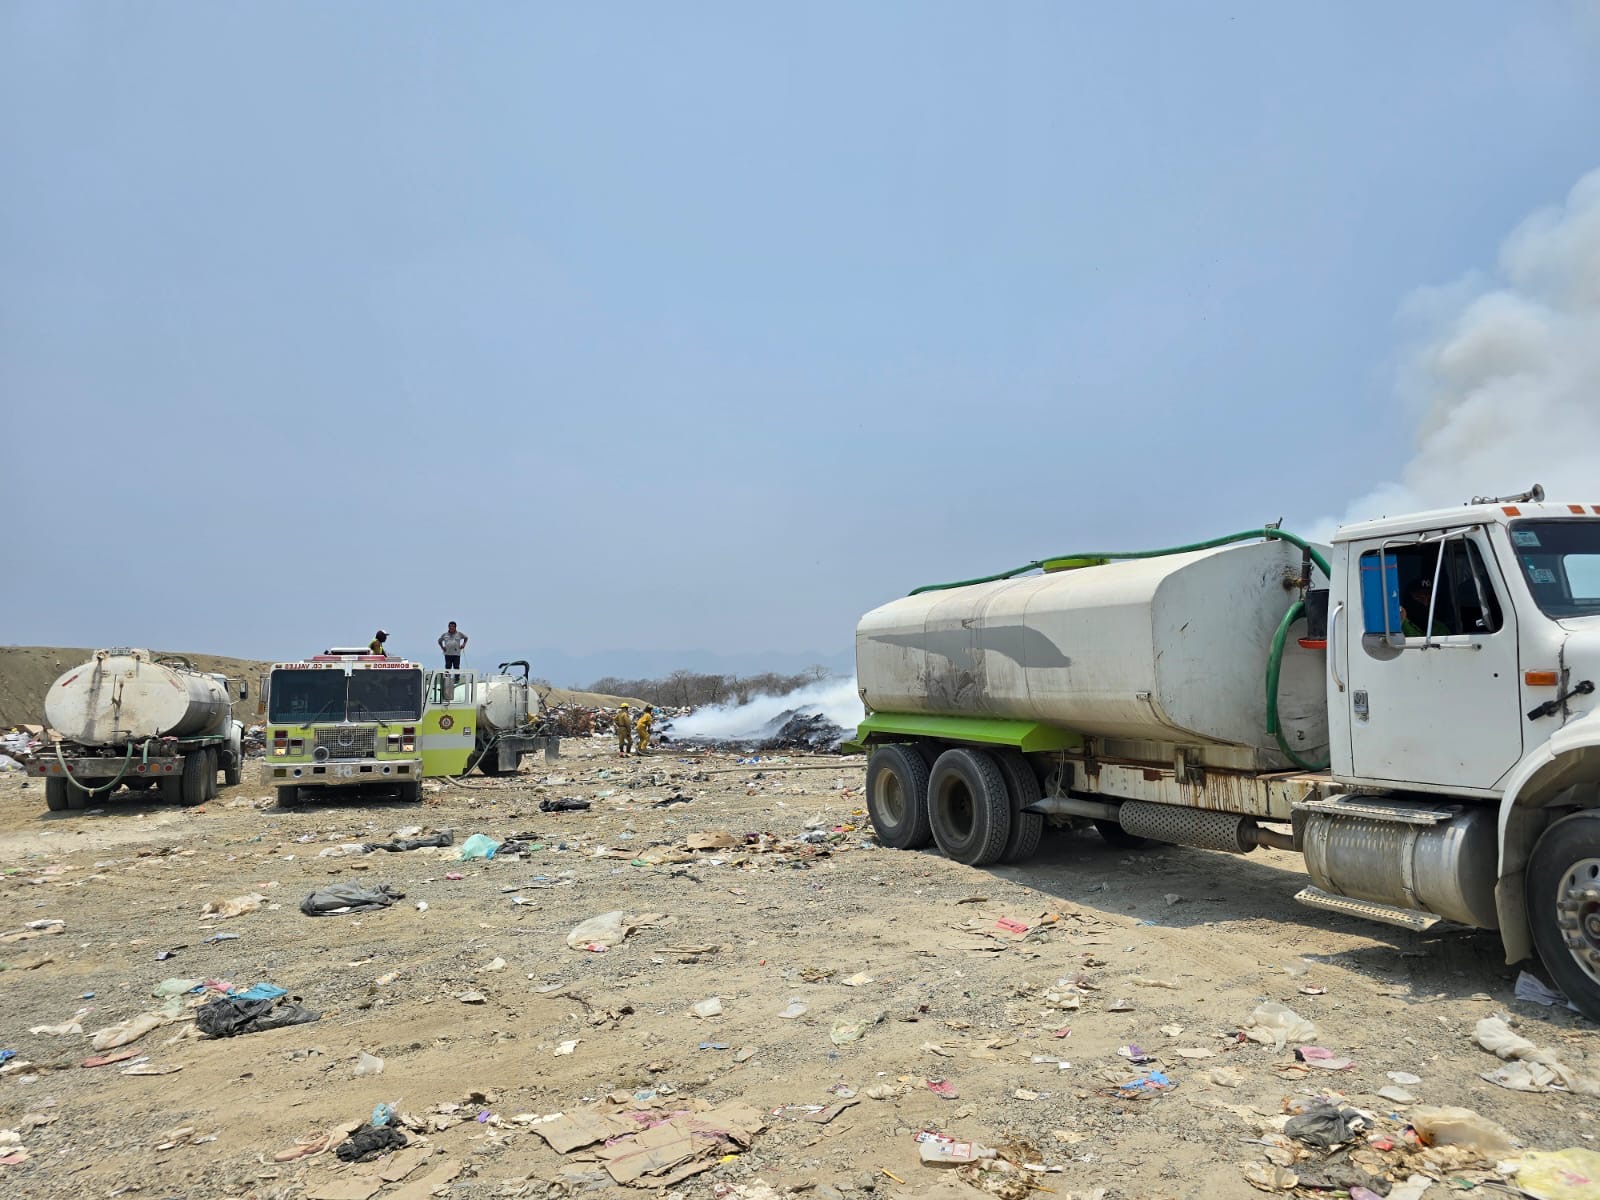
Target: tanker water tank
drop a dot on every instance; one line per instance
(1170, 649)
(122, 694)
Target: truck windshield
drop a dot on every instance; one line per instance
(301, 697)
(385, 695)
(1561, 562)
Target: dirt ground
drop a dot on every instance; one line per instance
(897, 959)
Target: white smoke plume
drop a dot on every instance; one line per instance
(1505, 384)
(835, 699)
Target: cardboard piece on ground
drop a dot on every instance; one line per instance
(403, 1163)
(711, 841)
(346, 1187)
(570, 1131)
(422, 1189)
(686, 1145)
(649, 1153)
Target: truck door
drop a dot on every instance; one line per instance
(1433, 689)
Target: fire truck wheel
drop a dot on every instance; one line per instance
(192, 788)
(897, 797)
(968, 807)
(1563, 897)
(1022, 786)
(288, 795)
(411, 793)
(55, 792)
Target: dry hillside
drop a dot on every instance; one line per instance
(26, 673)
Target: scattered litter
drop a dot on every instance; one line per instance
(567, 1047)
(1530, 1068)
(368, 1064)
(1273, 1024)
(495, 964)
(1319, 1123)
(1226, 1077)
(1317, 1056)
(599, 933)
(238, 906)
(859, 979)
(228, 1016)
(1120, 1005)
(370, 1142)
(1153, 1083)
(845, 1032)
(135, 1028)
(403, 842)
(1532, 988)
(478, 846)
(340, 898)
(944, 1089)
(564, 804)
(1396, 1095)
(795, 1009)
(1269, 1177)
(1140, 981)
(472, 997)
(937, 1150)
(1312, 989)
(707, 1008)
(1405, 1078)
(1461, 1127)
(1572, 1174)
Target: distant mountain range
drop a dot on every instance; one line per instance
(580, 670)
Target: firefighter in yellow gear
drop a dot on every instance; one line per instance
(642, 728)
(623, 723)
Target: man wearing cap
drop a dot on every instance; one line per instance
(376, 646)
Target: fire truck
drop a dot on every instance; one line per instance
(351, 719)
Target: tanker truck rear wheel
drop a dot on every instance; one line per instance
(1022, 786)
(55, 792)
(211, 772)
(968, 807)
(233, 770)
(897, 797)
(192, 785)
(1563, 896)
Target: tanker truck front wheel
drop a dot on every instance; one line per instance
(1563, 894)
(897, 797)
(968, 807)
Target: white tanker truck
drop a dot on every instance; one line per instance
(1412, 709)
(509, 721)
(129, 717)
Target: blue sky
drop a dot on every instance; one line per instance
(711, 326)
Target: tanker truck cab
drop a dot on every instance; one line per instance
(1431, 748)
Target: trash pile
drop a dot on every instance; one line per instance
(19, 746)
(795, 729)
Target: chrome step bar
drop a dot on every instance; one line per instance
(1407, 918)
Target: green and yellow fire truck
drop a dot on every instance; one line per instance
(347, 718)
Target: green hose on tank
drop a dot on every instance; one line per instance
(1096, 558)
(1279, 639)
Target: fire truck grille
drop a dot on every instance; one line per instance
(345, 743)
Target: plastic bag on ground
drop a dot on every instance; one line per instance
(478, 846)
(1530, 1068)
(228, 1016)
(599, 933)
(135, 1028)
(1572, 1174)
(236, 907)
(1461, 1127)
(1273, 1024)
(1325, 1125)
(349, 898)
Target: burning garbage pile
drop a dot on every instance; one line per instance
(816, 719)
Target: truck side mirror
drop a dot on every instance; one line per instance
(244, 690)
(1380, 597)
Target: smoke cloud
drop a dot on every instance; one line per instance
(1505, 380)
(835, 699)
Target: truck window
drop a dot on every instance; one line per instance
(1464, 603)
(300, 697)
(1561, 562)
(385, 695)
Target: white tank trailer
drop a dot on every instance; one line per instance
(129, 717)
(1415, 709)
(509, 723)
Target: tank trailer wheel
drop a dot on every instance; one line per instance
(288, 795)
(1022, 785)
(76, 796)
(192, 781)
(489, 761)
(897, 797)
(968, 807)
(171, 788)
(1563, 896)
(55, 792)
(233, 769)
(1116, 835)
